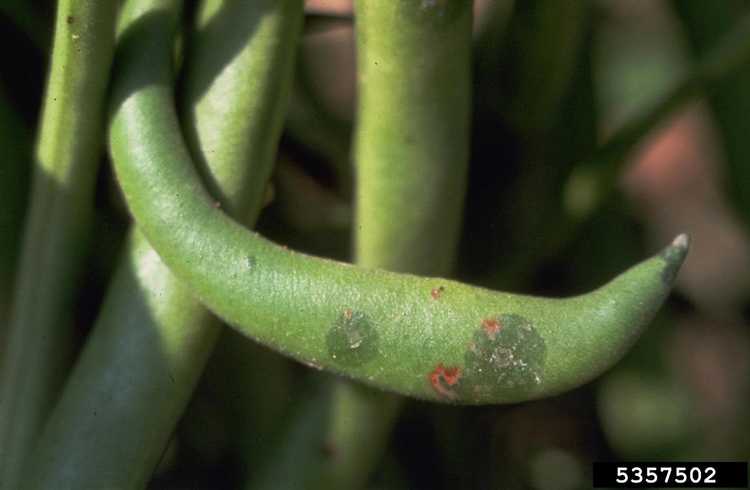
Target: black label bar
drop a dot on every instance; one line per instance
(688, 474)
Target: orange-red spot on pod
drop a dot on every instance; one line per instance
(348, 313)
(437, 292)
(441, 378)
(451, 375)
(491, 327)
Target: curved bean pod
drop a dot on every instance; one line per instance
(424, 337)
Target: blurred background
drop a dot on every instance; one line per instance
(553, 81)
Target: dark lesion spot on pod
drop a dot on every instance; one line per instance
(673, 257)
(437, 292)
(352, 340)
(506, 354)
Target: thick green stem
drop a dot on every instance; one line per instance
(57, 225)
(130, 384)
(406, 192)
(413, 127)
(237, 85)
(360, 426)
(295, 460)
(425, 337)
(152, 339)
(411, 160)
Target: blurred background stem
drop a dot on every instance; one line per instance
(729, 96)
(594, 178)
(27, 16)
(16, 141)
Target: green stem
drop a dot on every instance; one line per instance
(397, 205)
(395, 331)
(361, 422)
(57, 226)
(152, 340)
(405, 191)
(411, 144)
(295, 461)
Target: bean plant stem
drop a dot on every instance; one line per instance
(152, 339)
(40, 343)
(411, 142)
(411, 156)
(353, 461)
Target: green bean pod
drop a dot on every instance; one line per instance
(429, 338)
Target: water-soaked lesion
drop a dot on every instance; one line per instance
(352, 340)
(506, 354)
(673, 256)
